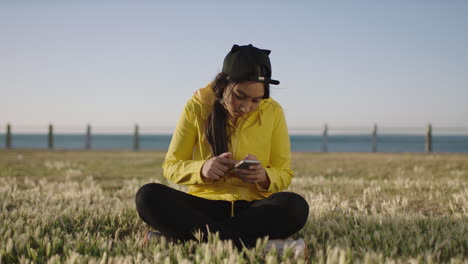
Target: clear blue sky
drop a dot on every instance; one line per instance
(345, 63)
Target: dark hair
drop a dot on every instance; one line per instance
(216, 124)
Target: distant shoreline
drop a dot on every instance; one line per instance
(386, 143)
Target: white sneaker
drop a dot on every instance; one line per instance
(298, 247)
(154, 236)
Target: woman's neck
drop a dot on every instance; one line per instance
(233, 120)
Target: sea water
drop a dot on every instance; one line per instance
(301, 143)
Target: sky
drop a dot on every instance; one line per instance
(344, 63)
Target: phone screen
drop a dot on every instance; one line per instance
(245, 164)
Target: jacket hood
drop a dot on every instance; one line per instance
(205, 95)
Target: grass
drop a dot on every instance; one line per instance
(78, 207)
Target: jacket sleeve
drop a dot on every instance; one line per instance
(179, 167)
(279, 171)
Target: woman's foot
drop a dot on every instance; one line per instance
(298, 247)
(154, 236)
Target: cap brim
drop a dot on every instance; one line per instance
(274, 82)
(257, 79)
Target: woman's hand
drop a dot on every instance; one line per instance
(216, 167)
(255, 174)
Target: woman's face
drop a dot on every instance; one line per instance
(243, 98)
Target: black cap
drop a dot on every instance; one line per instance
(242, 61)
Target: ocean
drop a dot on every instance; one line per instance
(299, 143)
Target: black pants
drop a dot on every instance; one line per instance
(179, 215)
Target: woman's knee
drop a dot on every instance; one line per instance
(147, 194)
(295, 206)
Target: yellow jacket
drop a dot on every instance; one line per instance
(262, 133)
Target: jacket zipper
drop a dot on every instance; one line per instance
(236, 134)
(234, 147)
(234, 144)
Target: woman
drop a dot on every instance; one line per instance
(231, 119)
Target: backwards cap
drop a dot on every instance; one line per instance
(242, 62)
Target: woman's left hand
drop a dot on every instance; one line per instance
(255, 174)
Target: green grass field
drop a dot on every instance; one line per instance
(78, 207)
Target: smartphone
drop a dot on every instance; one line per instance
(245, 164)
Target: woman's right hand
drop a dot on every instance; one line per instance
(216, 167)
